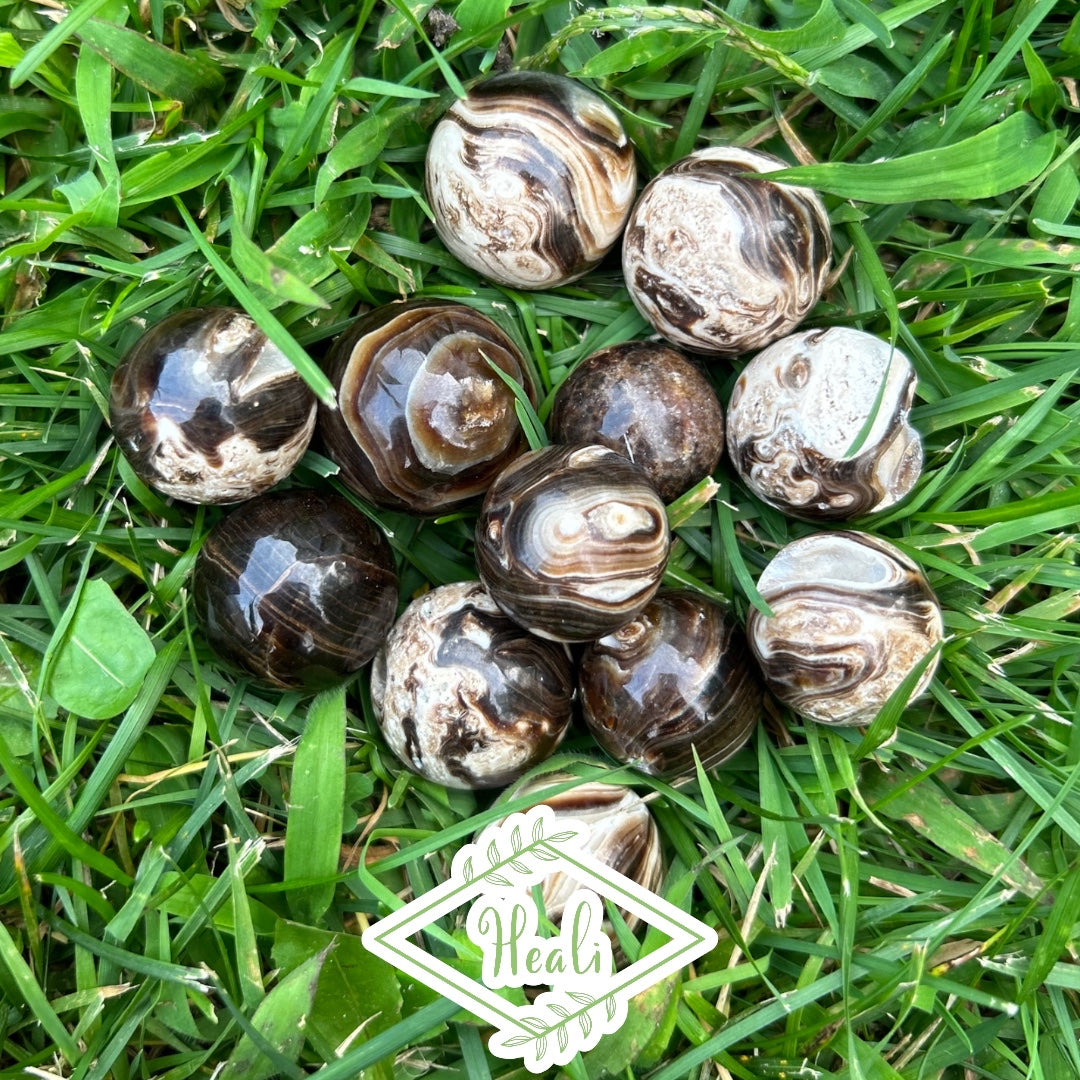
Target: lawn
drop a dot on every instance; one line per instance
(187, 859)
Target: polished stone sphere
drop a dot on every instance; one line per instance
(296, 588)
(647, 401)
(530, 178)
(422, 421)
(207, 410)
(722, 262)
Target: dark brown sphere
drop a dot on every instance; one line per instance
(647, 401)
(206, 409)
(572, 541)
(422, 421)
(464, 696)
(297, 587)
(679, 675)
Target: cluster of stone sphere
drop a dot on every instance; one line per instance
(532, 181)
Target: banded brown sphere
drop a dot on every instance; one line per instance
(645, 400)
(297, 588)
(723, 263)
(679, 676)
(464, 696)
(422, 421)
(530, 178)
(852, 617)
(622, 835)
(572, 541)
(802, 405)
(207, 410)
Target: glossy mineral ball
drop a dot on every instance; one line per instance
(207, 410)
(572, 541)
(852, 616)
(464, 696)
(422, 421)
(647, 401)
(797, 424)
(678, 676)
(530, 178)
(724, 263)
(297, 588)
(622, 835)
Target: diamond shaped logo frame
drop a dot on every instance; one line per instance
(501, 868)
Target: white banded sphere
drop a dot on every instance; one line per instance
(464, 696)
(724, 263)
(530, 178)
(572, 541)
(818, 424)
(852, 617)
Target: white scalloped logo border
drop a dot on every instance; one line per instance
(562, 1021)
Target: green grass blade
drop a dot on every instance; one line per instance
(316, 801)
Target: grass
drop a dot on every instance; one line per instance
(895, 902)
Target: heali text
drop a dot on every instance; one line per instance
(505, 927)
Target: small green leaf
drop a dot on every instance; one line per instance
(171, 75)
(990, 163)
(313, 831)
(358, 994)
(476, 17)
(281, 1019)
(100, 664)
(261, 269)
(359, 146)
(617, 1052)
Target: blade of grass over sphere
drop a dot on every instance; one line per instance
(726, 521)
(309, 371)
(316, 800)
(535, 434)
(999, 159)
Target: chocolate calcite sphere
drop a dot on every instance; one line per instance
(207, 410)
(572, 541)
(296, 587)
(798, 424)
(647, 401)
(852, 616)
(422, 421)
(678, 676)
(720, 262)
(622, 835)
(530, 178)
(464, 696)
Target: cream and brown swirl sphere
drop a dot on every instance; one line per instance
(797, 424)
(530, 178)
(852, 615)
(720, 262)
(464, 696)
(207, 410)
(678, 676)
(648, 401)
(572, 541)
(422, 421)
(622, 835)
